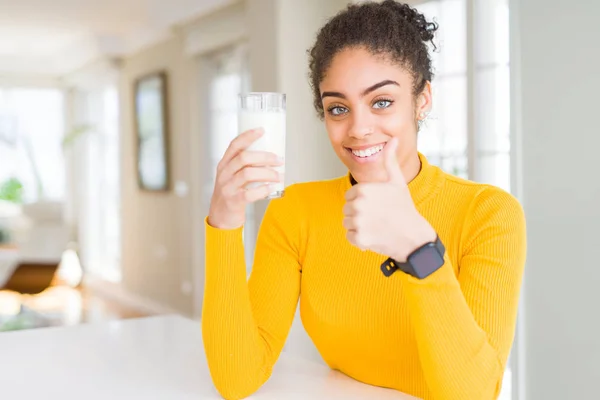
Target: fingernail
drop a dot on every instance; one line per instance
(281, 176)
(281, 160)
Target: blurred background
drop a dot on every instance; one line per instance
(114, 114)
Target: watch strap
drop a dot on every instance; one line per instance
(389, 266)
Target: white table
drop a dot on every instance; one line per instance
(147, 358)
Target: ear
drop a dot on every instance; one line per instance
(424, 102)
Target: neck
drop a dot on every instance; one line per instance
(411, 167)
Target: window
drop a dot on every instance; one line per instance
(443, 137)
(468, 132)
(31, 133)
(492, 92)
(109, 172)
(94, 170)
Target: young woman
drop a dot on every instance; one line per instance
(408, 277)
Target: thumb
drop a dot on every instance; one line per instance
(392, 166)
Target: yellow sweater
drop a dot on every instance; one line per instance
(445, 337)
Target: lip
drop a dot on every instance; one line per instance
(365, 160)
(364, 147)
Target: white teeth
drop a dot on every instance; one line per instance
(368, 152)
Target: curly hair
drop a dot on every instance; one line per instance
(390, 29)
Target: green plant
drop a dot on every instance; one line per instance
(12, 190)
(20, 322)
(77, 131)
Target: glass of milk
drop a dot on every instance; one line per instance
(265, 110)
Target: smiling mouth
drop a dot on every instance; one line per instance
(366, 153)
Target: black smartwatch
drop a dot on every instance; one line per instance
(420, 263)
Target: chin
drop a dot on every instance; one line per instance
(364, 171)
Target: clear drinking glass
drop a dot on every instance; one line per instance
(265, 110)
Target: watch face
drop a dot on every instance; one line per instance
(426, 261)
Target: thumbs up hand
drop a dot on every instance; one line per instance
(381, 216)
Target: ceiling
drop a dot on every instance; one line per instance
(55, 37)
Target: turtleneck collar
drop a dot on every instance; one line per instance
(426, 184)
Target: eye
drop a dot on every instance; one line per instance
(382, 103)
(337, 110)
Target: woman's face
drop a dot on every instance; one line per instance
(368, 101)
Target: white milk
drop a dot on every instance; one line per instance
(273, 140)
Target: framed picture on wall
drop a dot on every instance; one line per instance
(152, 133)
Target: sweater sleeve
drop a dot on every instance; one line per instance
(245, 324)
(464, 326)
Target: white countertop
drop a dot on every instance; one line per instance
(147, 358)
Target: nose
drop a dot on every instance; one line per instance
(361, 125)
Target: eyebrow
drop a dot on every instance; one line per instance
(364, 93)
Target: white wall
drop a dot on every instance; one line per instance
(557, 66)
(157, 230)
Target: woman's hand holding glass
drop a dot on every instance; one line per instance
(238, 173)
